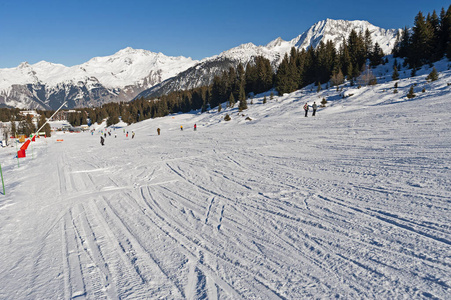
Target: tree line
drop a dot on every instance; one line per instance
(18, 123)
(325, 63)
(428, 41)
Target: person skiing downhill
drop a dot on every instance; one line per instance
(314, 107)
(195, 127)
(158, 131)
(102, 140)
(306, 108)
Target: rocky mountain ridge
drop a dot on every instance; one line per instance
(132, 73)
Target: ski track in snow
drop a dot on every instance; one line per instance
(354, 203)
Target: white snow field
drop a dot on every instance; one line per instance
(351, 204)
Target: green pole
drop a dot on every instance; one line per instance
(15, 137)
(3, 183)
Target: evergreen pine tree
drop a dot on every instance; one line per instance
(242, 98)
(368, 44)
(231, 100)
(434, 23)
(404, 43)
(376, 55)
(285, 82)
(350, 72)
(420, 50)
(433, 76)
(446, 32)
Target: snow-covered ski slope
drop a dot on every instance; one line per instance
(351, 204)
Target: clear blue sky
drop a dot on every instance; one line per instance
(71, 32)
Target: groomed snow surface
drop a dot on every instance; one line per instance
(351, 204)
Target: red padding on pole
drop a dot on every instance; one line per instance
(21, 153)
(25, 146)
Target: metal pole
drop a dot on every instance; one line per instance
(51, 117)
(15, 138)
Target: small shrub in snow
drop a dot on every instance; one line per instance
(411, 94)
(227, 117)
(323, 102)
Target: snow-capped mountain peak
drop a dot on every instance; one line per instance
(337, 30)
(128, 72)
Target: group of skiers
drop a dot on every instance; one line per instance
(103, 134)
(306, 109)
(314, 107)
(181, 127)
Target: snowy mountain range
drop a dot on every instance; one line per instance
(132, 73)
(118, 77)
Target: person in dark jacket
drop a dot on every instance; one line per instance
(102, 140)
(306, 108)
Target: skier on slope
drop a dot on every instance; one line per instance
(306, 108)
(102, 140)
(314, 107)
(133, 134)
(158, 131)
(195, 127)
